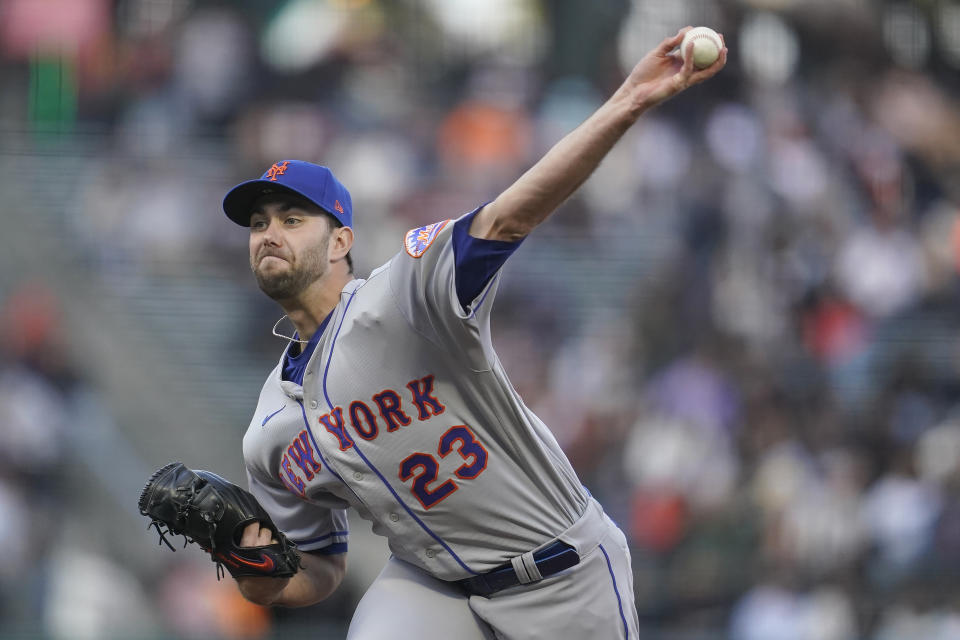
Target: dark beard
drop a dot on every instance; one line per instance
(303, 273)
(282, 286)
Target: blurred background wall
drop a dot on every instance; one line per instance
(743, 329)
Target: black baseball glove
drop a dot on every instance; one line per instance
(206, 509)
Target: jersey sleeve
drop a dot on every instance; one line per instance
(476, 260)
(424, 281)
(310, 526)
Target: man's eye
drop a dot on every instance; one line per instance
(258, 224)
(290, 221)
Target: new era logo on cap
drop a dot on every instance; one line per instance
(314, 182)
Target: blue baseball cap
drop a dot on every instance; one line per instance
(314, 182)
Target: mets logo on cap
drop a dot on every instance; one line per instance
(418, 240)
(278, 169)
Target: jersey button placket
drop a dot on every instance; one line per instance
(430, 553)
(357, 475)
(394, 517)
(313, 404)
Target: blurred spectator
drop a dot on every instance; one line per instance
(91, 596)
(907, 622)
(881, 268)
(900, 513)
(769, 611)
(197, 605)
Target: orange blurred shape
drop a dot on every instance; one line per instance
(29, 319)
(834, 331)
(197, 605)
(658, 519)
(477, 133)
(238, 617)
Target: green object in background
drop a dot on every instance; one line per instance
(53, 94)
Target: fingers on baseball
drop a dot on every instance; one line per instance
(706, 72)
(688, 60)
(672, 42)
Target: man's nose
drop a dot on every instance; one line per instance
(271, 235)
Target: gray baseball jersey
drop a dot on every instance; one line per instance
(407, 415)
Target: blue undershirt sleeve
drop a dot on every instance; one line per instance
(476, 260)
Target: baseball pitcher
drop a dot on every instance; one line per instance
(390, 399)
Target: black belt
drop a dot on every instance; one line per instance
(550, 560)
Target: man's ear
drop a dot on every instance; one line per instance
(341, 240)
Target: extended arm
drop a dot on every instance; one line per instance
(319, 576)
(660, 75)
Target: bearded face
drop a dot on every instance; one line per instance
(283, 274)
(289, 240)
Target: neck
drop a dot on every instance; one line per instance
(307, 310)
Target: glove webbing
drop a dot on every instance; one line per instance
(183, 510)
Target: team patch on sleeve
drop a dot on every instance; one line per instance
(418, 240)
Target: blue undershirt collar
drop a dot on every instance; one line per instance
(295, 365)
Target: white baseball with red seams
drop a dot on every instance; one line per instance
(707, 45)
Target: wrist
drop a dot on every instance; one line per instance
(629, 104)
(263, 591)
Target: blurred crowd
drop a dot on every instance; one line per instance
(742, 329)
